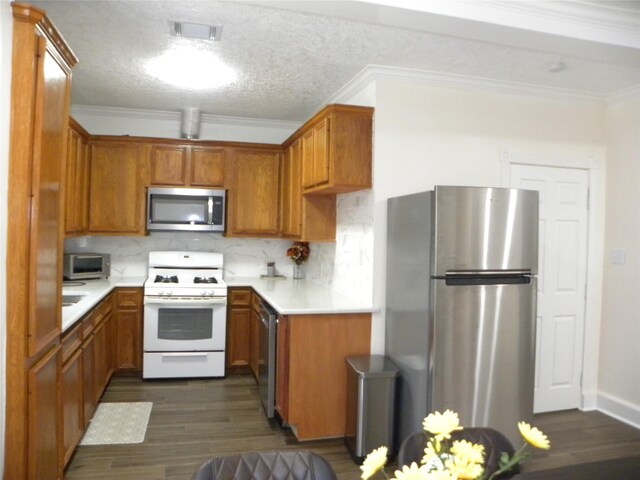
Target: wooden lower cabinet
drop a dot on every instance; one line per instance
(100, 365)
(87, 366)
(238, 330)
(44, 406)
(254, 335)
(128, 317)
(72, 404)
(311, 377)
(89, 401)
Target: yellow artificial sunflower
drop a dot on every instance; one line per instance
(463, 468)
(412, 472)
(429, 454)
(374, 462)
(534, 436)
(440, 475)
(471, 451)
(442, 424)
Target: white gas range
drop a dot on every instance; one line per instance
(185, 314)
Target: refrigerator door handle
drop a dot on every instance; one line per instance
(493, 278)
(484, 273)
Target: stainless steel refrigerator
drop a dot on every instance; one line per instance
(461, 305)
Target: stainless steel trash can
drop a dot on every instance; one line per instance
(371, 392)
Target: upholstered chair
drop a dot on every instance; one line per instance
(280, 465)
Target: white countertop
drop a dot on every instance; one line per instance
(299, 297)
(286, 295)
(94, 291)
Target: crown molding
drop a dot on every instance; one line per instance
(587, 20)
(601, 21)
(177, 116)
(373, 73)
(631, 93)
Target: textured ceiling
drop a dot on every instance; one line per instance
(290, 62)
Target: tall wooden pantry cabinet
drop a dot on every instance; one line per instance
(40, 98)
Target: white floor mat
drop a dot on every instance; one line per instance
(117, 423)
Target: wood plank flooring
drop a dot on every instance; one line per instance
(194, 420)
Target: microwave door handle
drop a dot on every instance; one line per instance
(210, 211)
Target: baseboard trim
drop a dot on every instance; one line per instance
(589, 401)
(619, 409)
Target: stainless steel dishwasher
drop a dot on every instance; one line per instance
(267, 363)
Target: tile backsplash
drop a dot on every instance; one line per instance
(344, 266)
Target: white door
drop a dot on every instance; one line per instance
(561, 283)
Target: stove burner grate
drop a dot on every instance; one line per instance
(166, 279)
(205, 280)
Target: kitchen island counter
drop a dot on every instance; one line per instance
(301, 297)
(93, 292)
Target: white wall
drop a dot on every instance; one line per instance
(428, 135)
(242, 256)
(121, 121)
(6, 27)
(619, 375)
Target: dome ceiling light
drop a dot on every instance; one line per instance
(189, 67)
(192, 65)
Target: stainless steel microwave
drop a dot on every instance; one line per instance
(86, 265)
(190, 209)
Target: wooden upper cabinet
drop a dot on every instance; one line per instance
(321, 152)
(291, 190)
(254, 206)
(336, 150)
(310, 218)
(46, 203)
(207, 167)
(168, 165)
(186, 165)
(308, 181)
(116, 188)
(76, 180)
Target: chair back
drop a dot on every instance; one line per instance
(494, 442)
(281, 465)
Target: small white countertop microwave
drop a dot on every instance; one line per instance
(285, 295)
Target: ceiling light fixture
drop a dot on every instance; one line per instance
(195, 30)
(192, 68)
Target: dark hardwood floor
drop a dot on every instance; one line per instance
(192, 421)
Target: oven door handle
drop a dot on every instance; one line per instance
(185, 301)
(184, 354)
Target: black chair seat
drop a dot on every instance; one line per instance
(281, 465)
(494, 442)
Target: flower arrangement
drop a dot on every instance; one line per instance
(460, 460)
(299, 252)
